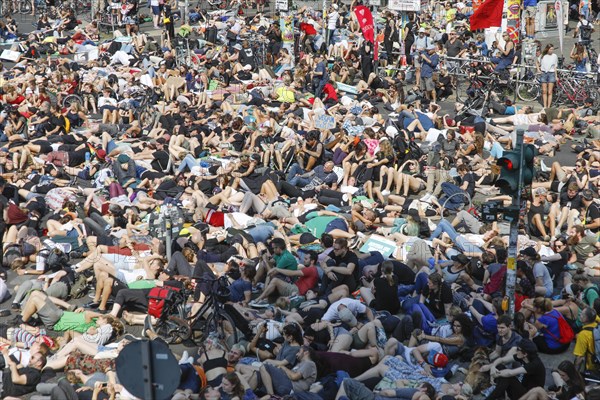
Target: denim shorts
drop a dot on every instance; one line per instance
(548, 77)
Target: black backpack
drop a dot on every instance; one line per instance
(586, 31)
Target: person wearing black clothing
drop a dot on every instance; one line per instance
(247, 56)
(591, 211)
(410, 30)
(340, 268)
(275, 42)
(17, 382)
(366, 59)
(390, 37)
(532, 369)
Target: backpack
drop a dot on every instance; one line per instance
(585, 31)
(565, 332)
(160, 300)
(596, 336)
(79, 287)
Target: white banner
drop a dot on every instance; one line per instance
(404, 5)
(559, 19)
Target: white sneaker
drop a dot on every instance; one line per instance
(557, 232)
(385, 192)
(544, 167)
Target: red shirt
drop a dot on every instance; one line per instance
(308, 280)
(329, 90)
(307, 28)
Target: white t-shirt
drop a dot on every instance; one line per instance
(353, 305)
(332, 19)
(549, 63)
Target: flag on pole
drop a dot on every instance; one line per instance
(365, 21)
(487, 15)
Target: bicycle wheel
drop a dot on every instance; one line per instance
(216, 324)
(25, 7)
(173, 330)
(528, 91)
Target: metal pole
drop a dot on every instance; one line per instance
(147, 364)
(511, 270)
(168, 237)
(186, 10)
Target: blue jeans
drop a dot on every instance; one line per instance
(420, 283)
(260, 233)
(373, 258)
(411, 305)
(295, 169)
(461, 242)
(299, 181)
(189, 161)
(454, 200)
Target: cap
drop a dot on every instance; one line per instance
(347, 317)
(589, 100)
(540, 191)
(334, 6)
(587, 194)
(461, 259)
(238, 47)
(438, 360)
(529, 252)
(391, 131)
(422, 30)
(123, 158)
(247, 67)
(101, 154)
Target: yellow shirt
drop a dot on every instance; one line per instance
(285, 95)
(584, 346)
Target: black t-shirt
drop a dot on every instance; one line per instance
(33, 377)
(574, 203)
(436, 301)
(452, 49)
(591, 214)
(535, 375)
(386, 295)
(471, 187)
(404, 273)
(161, 160)
(349, 257)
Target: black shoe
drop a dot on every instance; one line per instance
(15, 306)
(17, 320)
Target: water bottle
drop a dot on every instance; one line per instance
(87, 157)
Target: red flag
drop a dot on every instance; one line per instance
(487, 15)
(365, 21)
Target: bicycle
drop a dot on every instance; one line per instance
(175, 326)
(574, 89)
(528, 86)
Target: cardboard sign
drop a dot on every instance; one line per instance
(325, 122)
(10, 55)
(378, 243)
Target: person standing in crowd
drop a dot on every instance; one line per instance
(547, 67)
(530, 9)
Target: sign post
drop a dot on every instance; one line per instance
(514, 213)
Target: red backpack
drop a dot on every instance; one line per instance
(159, 298)
(565, 332)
